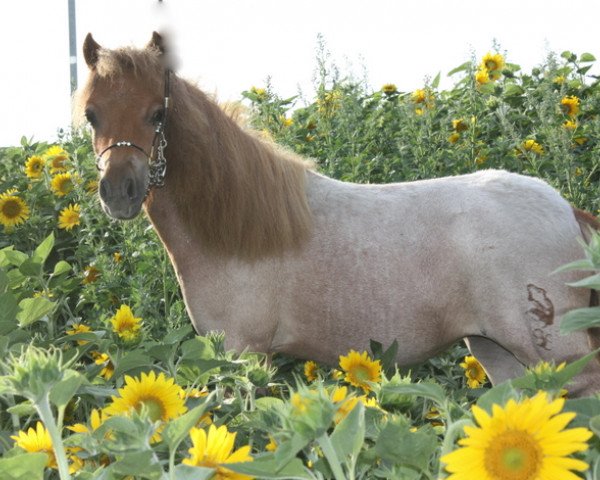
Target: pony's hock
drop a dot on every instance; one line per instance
(286, 260)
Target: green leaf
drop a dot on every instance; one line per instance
(43, 250)
(574, 368)
(512, 89)
(197, 348)
(30, 268)
(268, 403)
(187, 472)
(176, 430)
(9, 308)
(426, 390)
(349, 435)
(580, 319)
(586, 409)
(592, 282)
(587, 57)
(61, 268)
(266, 467)
(175, 336)
(23, 409)
(436, 81)
(398, 444)
(13, 257)
(585, 264)
(497, 395)
(34, 309)
(567, 55)
(460, 68)
(4, 282)
(595, 425)
(62, 392)
(487, 88)
(141, 464)
(131, 361)
(29, 466)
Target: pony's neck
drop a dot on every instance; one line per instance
(233, 194)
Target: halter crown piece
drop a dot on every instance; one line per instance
(158, 165)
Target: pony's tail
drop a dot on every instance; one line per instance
(588, 224)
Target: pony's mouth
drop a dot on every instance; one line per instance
(123, 212)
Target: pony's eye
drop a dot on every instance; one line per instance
(90, 116)
(157, 117)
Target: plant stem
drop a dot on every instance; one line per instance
(45, 412)
(454, 430)
(332, 458)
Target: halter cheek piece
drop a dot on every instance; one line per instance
(158, 165)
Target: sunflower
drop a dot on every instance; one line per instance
(36, 440)
(108, 367)
(360, 369)
(311, 371)
(473, 371)
(13, 210)
(455, 137)
(570, 125)
(117, 257)
(389, 88)
(90, 274)
(34, 166)
(459, 125)
(125, 325)
(492, 62)
(56, 157)
(533, 146)
(69, 217)
(482, 77)
(520, 441)
(345, 403)
(97, 418)
(79, 328)
(215, 449)
(92, 186)
(419, 96)
(159, 394)
(570, 105)
(259, 92)
(62, 184)
(272, 445)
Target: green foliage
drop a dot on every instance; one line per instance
(59, 289)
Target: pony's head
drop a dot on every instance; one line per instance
(124, 102)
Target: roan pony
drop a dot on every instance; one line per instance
(283, 259)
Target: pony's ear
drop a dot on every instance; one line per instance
(157, 43)
(90, 50)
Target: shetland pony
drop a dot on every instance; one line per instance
(283, 259)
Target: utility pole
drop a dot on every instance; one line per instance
(72, 46)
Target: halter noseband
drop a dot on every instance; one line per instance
(158, 165)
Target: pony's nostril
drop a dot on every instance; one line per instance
(130, 189)
(104, 189)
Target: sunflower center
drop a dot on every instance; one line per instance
(11, 209)
(362, 374)
(513, 455)
(491, 65)
(154, 407)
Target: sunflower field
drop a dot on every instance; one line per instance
(102, 376)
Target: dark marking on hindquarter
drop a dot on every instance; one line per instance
(541, 315)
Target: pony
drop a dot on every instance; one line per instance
(283, 259)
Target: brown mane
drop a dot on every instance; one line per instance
(238, 194)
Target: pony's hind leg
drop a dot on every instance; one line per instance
(499, 364)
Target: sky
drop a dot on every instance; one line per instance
(227, 46)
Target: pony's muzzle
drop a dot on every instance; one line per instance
(122, 196)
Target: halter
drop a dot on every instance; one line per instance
(157, 166)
